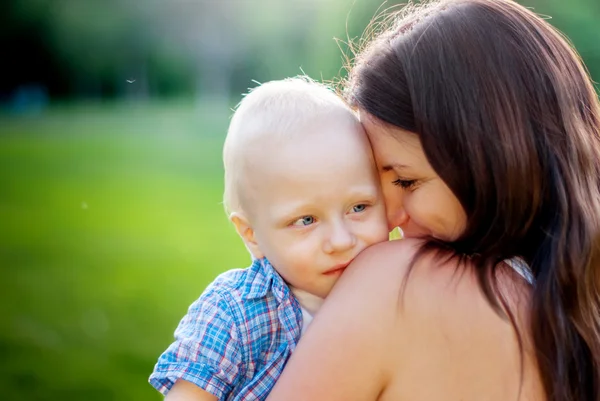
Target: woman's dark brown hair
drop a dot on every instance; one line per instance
(508, 118)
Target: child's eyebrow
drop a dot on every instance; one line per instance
(363, 192)
(294, 211)
(357, 194)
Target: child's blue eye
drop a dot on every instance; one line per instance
(359, 208)
(304, 221)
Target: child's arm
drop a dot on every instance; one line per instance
(207, 352)
(186, 391)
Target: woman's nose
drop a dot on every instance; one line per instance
(394, 206)
(396, 217)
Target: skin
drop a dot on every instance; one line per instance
(312, 204)
(315, 203)
(417, 200)
(435, 339)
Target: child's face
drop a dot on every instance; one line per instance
(316, 203)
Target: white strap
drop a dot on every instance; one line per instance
(521, 267)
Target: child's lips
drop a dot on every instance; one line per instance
(337, 269)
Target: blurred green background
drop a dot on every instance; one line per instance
(112, 118)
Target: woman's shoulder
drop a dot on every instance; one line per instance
(431, 284)
(396, 267)
(435, 314)
(396, 327)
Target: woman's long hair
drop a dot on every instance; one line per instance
(508, 118)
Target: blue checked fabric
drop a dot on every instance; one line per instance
(236, 338)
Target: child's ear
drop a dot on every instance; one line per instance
(243, 228)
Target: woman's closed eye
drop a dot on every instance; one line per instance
(304, 221)
(405, 184)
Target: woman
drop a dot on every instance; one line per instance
(485, 129)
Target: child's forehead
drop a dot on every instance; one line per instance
(297, 188)
(307, 153)
(312, 158)
(319, 139)
(272, 135)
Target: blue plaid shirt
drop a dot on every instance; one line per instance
(236, 338)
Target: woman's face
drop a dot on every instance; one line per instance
(416, 198)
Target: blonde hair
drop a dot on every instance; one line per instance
(276, 109)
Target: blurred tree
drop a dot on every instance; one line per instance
(203, 48)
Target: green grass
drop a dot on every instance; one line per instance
(111, 226)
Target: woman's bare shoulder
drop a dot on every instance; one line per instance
(344, 353)
(434, 286)
(382, 261)
(434, 314)
(373, 280)
(394, 328)
(368, 290)
(408, 298)
(392, 268)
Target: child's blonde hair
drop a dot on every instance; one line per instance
(276, 108)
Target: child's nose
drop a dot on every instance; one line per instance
(340, 239)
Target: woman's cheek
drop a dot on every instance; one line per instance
(420, 212)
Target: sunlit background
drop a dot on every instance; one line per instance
(112, 118)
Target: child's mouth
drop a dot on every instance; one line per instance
(338, 269)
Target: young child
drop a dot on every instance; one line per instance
(302, 191)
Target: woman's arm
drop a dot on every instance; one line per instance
(345, 354)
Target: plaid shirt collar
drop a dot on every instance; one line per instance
(263, 277)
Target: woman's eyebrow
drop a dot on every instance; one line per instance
(397, 166)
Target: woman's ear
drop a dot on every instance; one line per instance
(244, 230)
